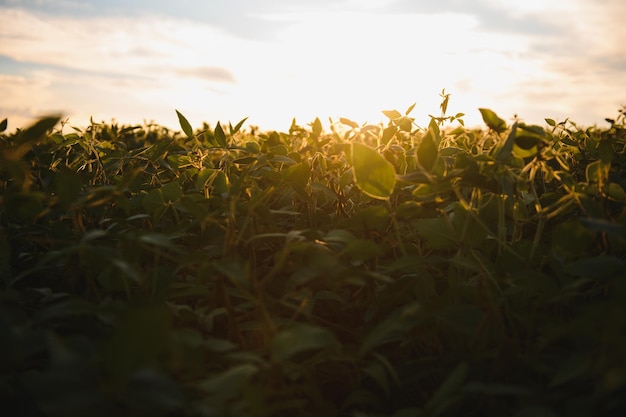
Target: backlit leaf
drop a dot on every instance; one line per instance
(172, 191)
(528, 136)
(348, 122)
(405, 123)
(616, 192)
(373, 174)
(220, 136)
(605, 151)
(392, 114)
(184, 124)
(388, 133)
(316, 127)
(237, 127)
(492, 120)
(39, 128)
(298, 175)
(427, 151)
(507, 148)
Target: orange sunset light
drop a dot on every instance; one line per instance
(275, 60)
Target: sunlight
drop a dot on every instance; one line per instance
(356, 65)
(333, 63)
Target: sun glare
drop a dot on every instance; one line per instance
(351, 60)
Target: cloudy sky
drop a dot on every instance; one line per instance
(273, 60)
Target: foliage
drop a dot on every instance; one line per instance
(367, 271)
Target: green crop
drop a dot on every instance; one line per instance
(372, 270)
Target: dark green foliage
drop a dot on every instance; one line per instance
(369, 271)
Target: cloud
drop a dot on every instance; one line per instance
(127, 47)
(48, 5)
(340, 59)
(218, 74)
(109, 67)
(24, 97)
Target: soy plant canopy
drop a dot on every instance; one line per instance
(372, 270)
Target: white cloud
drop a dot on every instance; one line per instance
(111, 45)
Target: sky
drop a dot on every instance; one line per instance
(138, 61)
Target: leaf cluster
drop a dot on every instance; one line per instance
(372, 270)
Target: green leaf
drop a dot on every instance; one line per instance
(405, 123)
(298, 175)
(373, 174)
(492, 120)
(444, 103)
(152, 201)
(392, 114)
(616, 192)
(507, 148)
(230, 383)
(528, 137)
(360, 250)
(184, 124)
(596, 172)
(525, 153)
(158, 239)
(39, 129)
(158, 198)
(246, 160)
(339, 238)
(234, 271)
(348, 122)
(427, 151)
(527, 141)
(317, 127)
(202, 180)
(392, 329)
(220, 183)
(551, 122)
(3, 125)
(605, 152)
(437, 232)
(388, 133)
(159, 149)
(220, 136)
(172, 191)
(434, 128)
(282, 159)
(468, 230)
(238, 126)
(301, 338)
